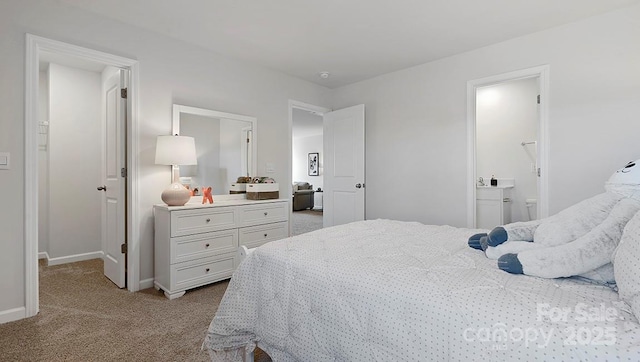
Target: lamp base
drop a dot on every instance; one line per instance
(176, 195)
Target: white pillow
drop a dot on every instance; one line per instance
(626, 265)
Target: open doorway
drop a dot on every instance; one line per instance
(506, 152)
(507, 148)
(38, 135)
(307, 169)
(70, 119)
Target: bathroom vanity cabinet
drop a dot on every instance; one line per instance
(493, 206)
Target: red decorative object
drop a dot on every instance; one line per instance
(206, 195)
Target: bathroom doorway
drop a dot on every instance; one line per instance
(507, 144)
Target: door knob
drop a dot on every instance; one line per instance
(358, 186)
(102, 188)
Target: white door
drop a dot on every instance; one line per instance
(344, 192)
(114, 202)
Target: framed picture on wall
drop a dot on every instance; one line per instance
(314, 164)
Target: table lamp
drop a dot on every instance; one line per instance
(175, 151)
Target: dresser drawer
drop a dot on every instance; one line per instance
(254, 236)
(264, 213)
(196, 221)
(202, 271)
(197, 246)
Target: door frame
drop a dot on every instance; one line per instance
(35, 45)
(293, 104)
(542, 73)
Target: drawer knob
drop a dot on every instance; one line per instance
(206, 245)
(208, 220)
(265, 235)
(207, 270)
(266, 213)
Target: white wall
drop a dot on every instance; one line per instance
(301, 147)
(170, 72)
(416, 132)
(75, 153)
(506, 116)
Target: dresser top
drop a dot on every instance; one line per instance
(218, 201)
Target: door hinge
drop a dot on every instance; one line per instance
(123, 248)
(538, 171)
(538, 98)
(123, 172)
(123, 93)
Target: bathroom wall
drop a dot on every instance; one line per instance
(506, 116)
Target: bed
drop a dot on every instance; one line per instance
(384, 290)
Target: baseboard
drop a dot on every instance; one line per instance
(75, 258)
(11, 315)
(43, 255)
(146, 284)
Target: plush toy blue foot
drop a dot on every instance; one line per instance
(497, 236)
(510, 264)
(474, 240)
(484, 243)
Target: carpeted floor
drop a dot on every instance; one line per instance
(304, 221)
(84, 317)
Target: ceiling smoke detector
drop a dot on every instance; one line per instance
(324, 75)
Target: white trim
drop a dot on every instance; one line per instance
(133, 187)
(75, 258)
(542, 72)
(34, 45)
(146, 283)
(32, 74)
(11, 315)
(307, 107)
(43, 255)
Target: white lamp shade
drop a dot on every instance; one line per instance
(176, 150)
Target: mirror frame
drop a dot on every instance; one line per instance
(178, 109)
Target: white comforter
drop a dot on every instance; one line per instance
(397, 291)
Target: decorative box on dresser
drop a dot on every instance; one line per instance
(196, 244)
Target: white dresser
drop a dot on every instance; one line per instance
(196, 244)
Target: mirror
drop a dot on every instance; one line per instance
(225, 147)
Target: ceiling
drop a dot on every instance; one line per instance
(353, 40)
(306, 124)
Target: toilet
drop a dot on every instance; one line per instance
(532, 208)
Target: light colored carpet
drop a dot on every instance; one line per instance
(305, 221)
(84, 317)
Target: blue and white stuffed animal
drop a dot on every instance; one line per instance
(578, 241)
